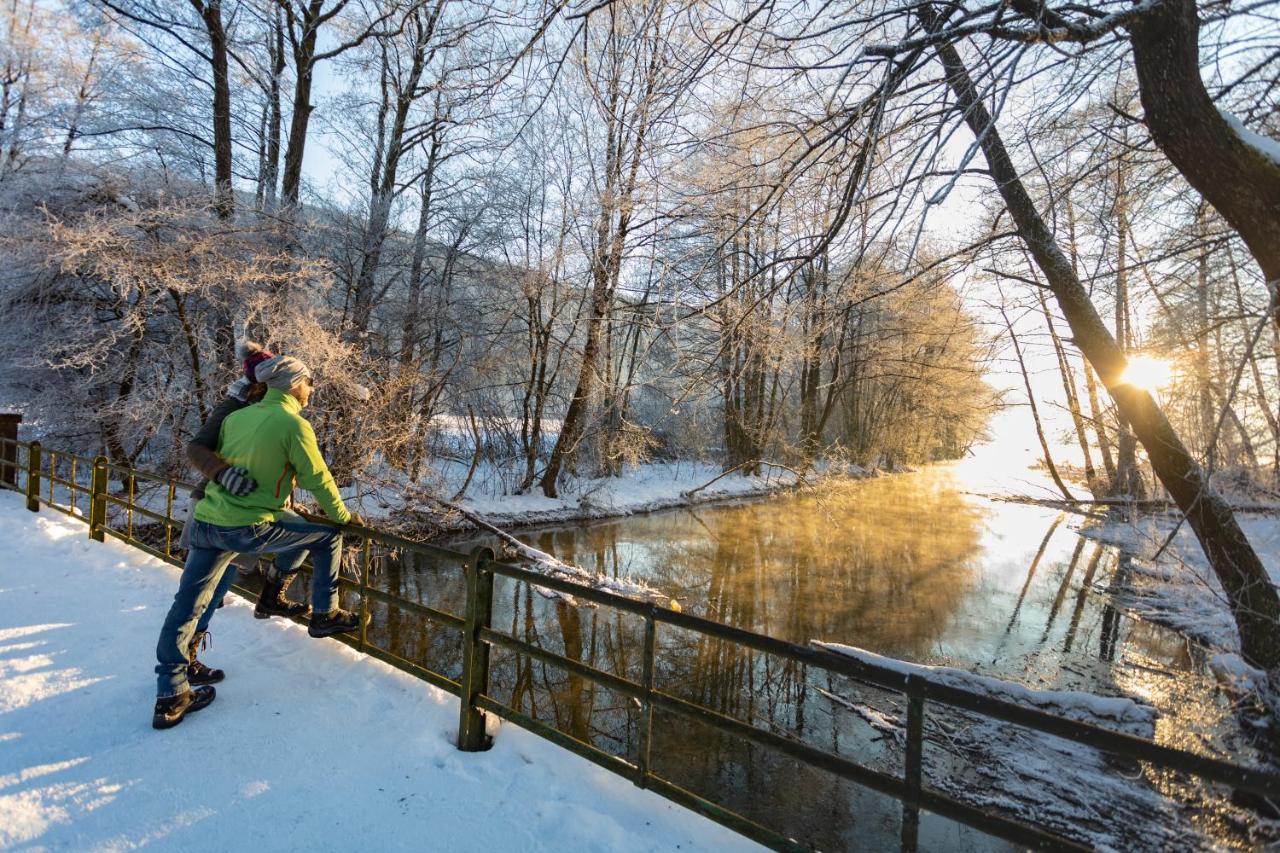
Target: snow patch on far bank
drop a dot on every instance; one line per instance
(1178, 588)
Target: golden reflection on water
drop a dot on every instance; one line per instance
(880, 563)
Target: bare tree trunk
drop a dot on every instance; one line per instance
(1254, 600)
(1099, 428)
(1240, 181)
(1128, 479)
(1204, 390)
(1069, 388)
(82, 94)
(271, 172)
(1091, 386)
(210, 12)
(1035, 411)
(1260, 388)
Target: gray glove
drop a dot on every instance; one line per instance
(236, 481)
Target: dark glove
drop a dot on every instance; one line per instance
(236, 481)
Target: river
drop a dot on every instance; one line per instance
(914, 566)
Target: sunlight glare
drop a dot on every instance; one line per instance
(1147, 372)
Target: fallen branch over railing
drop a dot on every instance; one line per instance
(543, 562)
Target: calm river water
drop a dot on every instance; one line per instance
(911, 566)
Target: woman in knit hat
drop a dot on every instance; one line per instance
(202, 453)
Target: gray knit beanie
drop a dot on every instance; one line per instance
(281, 372)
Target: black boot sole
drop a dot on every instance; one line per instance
(159, 721)
(196, 681)
(285, 614)
(322, 631)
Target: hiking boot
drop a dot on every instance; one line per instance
(170, 710)
(271, 601)
(336, 621)
(198, 673)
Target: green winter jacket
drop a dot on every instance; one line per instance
(277, 446)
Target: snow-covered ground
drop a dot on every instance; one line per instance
(309, 745)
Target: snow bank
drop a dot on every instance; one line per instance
(1115, 712)
(1179, 588)
(308, 746)
(650, 487)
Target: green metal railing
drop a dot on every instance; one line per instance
(39, 474)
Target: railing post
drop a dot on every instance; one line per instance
(9, 449)
(475, 652)
(168, 517)
(33, 476)
(98, 499)
(913, 763)
(364, 593)
(131, 487)
(646, 704)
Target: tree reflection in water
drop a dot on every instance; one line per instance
(907, 566)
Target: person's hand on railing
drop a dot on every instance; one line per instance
(236, 480)
(357, 520)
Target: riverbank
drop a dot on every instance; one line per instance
(1167, 579)
(650, 487)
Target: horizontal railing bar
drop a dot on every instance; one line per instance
(607, 760)
(606, 679)
(142, 510)
(1131, 746)
(995, 824)
(148, 476)
(444, 682)
(387, 598)
(65, 510)
(599, 596)
(141, 546)
(882, 782)
(452, 557)
(738, 823)
(83, 488)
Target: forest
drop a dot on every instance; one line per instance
(535, 242)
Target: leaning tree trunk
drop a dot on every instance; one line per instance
(1238, 179)
(1254, 600)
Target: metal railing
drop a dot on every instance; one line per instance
(38, 476)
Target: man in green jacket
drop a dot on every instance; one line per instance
(276, 446)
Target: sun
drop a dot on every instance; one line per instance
(1147, 372)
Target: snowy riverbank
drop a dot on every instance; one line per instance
(646, 488)
(308, 746)
(1177, 587)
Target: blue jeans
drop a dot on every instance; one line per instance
(205, 580)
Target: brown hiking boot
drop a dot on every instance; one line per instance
(271, 601)
(172, 709)
(197, 673)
